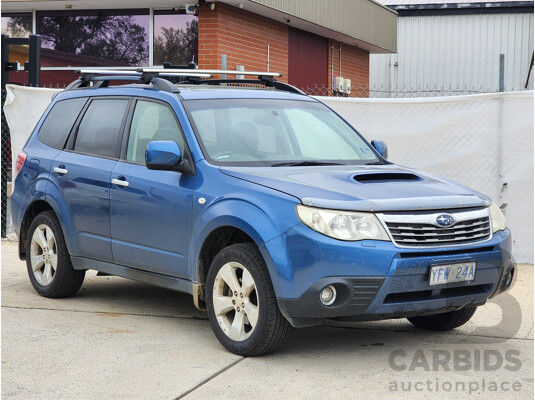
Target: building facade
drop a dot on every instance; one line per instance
(311, 42)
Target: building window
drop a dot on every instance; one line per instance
(17, 25)
(95, 38)
(176, 38)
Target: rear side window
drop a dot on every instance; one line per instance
(59, 122)
(100, 127)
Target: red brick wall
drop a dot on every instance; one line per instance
(243, 37)
(355, 66)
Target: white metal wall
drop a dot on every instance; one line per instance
(457, 51)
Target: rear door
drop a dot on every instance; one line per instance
(151, 210)
(82, 173)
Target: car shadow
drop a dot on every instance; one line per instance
(130, 297)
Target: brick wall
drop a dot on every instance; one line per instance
(355, 65)
(243, 37)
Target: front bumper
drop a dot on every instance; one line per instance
(377, 280)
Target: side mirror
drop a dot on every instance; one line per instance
(166, 155)
(381, 148)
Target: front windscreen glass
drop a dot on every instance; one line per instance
(272, 132)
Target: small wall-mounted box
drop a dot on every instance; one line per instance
(347, 86)
(338, 84)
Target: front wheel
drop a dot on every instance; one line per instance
(241, 302)
(445, 321)
(48, 261)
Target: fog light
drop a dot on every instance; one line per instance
(328, 295)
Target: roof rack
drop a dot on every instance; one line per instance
(165, 78)
(93, 78)
(209, 71)
(263, 78)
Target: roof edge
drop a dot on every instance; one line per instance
(467, 5)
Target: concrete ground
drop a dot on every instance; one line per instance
(118, 339)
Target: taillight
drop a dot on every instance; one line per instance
(21, 158)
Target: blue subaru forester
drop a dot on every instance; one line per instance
(260, 201)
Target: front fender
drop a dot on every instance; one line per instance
(239, 214)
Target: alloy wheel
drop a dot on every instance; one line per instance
(235, 301)
(43, 253)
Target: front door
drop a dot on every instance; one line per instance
(151, 210)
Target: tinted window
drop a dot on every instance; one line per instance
(59, 122)
(95, 37)
(176, 37)
(151, 121)
(100, 127)
(17, 25)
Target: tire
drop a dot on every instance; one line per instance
(239, 270)
(444, 321)
(48, 261)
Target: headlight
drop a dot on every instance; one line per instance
(343, 225)
(497, 218)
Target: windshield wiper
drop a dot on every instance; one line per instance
(375, 163)
(303, 163)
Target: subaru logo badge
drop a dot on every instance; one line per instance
(445, 220)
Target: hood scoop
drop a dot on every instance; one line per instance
(384, 177)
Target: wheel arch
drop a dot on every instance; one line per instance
(47, 203)
(35, 208)
(217, 240)
(233, 222)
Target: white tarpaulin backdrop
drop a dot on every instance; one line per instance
(482, 141)
(23, 109)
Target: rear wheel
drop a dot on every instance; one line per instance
(48, 261)
(241, 302)
(444, 321)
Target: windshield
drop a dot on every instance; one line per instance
(272, 132)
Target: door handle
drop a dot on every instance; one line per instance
(60, 170)
(121, 181)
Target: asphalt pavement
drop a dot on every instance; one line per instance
(119, 339)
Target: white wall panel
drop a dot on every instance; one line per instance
(456, 52)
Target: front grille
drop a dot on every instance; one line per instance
(420, 230)
(428, 235)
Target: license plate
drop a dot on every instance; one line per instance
(461, 272)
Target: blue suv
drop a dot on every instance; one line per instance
(260, 201)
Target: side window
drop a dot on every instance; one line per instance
(100, 126)
(59, 122)
(151, 121)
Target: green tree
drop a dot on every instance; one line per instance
(116, 38)
(177, 46)
(19, 27)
